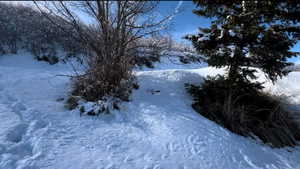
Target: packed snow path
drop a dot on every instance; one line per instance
(156, 130)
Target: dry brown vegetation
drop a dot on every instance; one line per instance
(246, 111)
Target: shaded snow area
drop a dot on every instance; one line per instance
(158, 129)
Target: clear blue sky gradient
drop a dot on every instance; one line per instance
(185, 22)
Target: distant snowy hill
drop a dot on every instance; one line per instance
(156, 130)
(297, 66)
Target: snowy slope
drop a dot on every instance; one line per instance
(297, 66)
(174, 63)
(156, 130)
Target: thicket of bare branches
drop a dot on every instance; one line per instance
(22, 27)
(112, 39)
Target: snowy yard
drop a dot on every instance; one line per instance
(156, 130)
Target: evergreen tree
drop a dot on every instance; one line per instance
(248, 34)
(245, 36)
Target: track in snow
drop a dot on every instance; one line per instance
(18, 152)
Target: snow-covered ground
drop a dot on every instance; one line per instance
(156, 130)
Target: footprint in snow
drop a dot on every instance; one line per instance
(9, 100)
(21, 149)
(196, 143)
(16, 134)
(2, 148)
(1, 87)
(18, 106)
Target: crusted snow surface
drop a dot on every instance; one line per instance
(158, 129)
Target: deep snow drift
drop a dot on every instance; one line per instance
(158, 129)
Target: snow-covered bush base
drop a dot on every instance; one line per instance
(104, 106)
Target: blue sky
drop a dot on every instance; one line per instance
(185, 22)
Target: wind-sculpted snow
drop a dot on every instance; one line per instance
(158, 129)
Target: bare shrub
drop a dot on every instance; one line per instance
(23, 27)
(111, 40)
(149, 50)
(104, 79)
